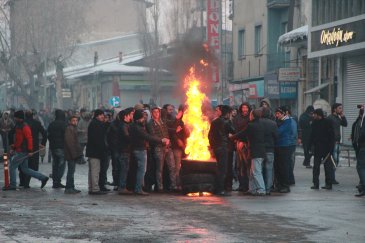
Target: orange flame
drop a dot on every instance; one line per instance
(197, 143)
(199, 194)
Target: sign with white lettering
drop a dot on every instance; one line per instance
(213, 32)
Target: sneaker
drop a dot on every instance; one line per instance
(9, 188)
(72, 191)
(360, 194)
(44, 182)
(57, 186)
(141, 193)
(124, 192)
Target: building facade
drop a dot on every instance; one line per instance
(337, 41)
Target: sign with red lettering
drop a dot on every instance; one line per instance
(213, 22)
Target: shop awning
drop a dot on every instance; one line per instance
(294, 37)
(315, 89)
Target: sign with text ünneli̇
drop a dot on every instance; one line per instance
(213, 21)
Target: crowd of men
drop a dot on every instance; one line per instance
(146, 144)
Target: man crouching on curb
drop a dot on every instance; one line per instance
(21, 147)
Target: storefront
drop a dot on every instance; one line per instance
(344, 42)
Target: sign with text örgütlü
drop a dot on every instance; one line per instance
(213, 32)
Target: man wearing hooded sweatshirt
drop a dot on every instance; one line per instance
(240, 123)
(265, 103)
(305, 129)
(56, 137)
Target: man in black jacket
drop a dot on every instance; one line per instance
(270, 134)
(139, 139)
(323, 140)
(33, 161)
(96, 150)
(218, 140)
(56, 137)
(358, 141)
(305, 129)
(255, 134)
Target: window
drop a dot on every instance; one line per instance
(258, 39)
(241, 44)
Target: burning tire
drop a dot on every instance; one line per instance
(198, 176)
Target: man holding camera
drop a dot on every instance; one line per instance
(338, 119)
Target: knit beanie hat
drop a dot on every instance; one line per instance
(98, 112)
(138, 114)
(19, 114)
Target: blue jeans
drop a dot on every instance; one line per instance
(71, 166)
(360, 167)
(141, 158)
(256, 180)
(162, 154)
(21, 159)
(123, 169)
(268, 171)
(58, 165)
(336, 158)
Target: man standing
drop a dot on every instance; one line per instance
(73, 153)
(96, 150)
(218, 140)
(161, 153)
(56, 137)
(322, 139)
(305, 129)
(33, 161)
(22, 146)
(338, 119)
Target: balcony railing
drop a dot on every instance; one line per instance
(278, 3)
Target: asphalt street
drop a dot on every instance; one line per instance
(305, 215)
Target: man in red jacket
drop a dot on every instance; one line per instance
(22, 146)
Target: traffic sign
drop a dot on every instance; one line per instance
(114, 101)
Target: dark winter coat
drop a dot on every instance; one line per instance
(118, 136)
(37, 129)
(56, 131)
(218, 136)
(157, 130)
(305, 127)
(322, 137)
(255, 134)
(337, 122)
(72, 146)
(96, 140)
(140, 137)
(270, 134)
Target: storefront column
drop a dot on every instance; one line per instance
(340, 73)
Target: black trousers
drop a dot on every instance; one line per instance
(307, 154)
(33, 163)
(221, 154)
(104, 166)
(328, 169)
(281, 166)
(150, 176)
(229, 174)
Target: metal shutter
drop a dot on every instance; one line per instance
(354, 91)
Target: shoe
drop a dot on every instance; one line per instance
(72, 191)
(360, 194)
(259, 194)
(141, 193)
(124, 192)
(97, 193)
(26, 187)
(334, 182)
(110, 183)
(327, 187)
(115, 188)
(104, 189)
(57, 186)
(284, 190)
(44, 182)
(9, 188)
(315, 187)
(309, 167)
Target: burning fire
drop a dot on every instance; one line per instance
(197, 143)
(199, 194)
